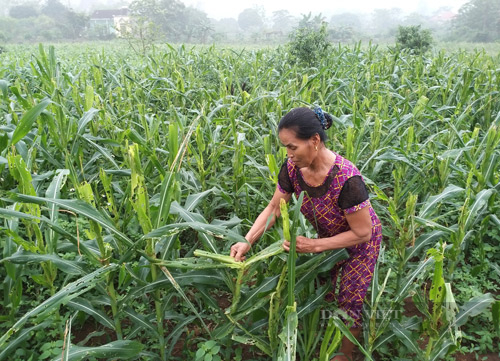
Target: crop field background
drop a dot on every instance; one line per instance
(125, 179)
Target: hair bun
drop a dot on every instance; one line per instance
(329, 121)
(325, 119)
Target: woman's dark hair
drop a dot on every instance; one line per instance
(306, 122)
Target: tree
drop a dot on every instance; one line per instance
(417, 19)
(23, 11)
(196, 25)
(478, 20)
(166, 15)
(141, 34)
(226, 25)
(346, 20)
(250, 20)
(55, 9)
(283, 21)
(5, 5)
(386, 20)
(309, 43)
(311, 22)
(69, 23)
(414, 38)
(345, 27)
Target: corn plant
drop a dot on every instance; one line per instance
(124, 180)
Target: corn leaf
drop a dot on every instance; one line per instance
(66, 294)
(79, 207)
(67, 266)
(116, 349)
(85, 306)
(431, 205)
(26, 122)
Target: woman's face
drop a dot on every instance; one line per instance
(301, 152)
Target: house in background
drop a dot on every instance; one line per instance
(110, 22)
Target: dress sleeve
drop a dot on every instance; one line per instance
(284, 183)
(353, 195)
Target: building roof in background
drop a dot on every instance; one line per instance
(109, 14)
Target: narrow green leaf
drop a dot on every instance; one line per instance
(140, 321)
(68, 292)
(67, 266)
(26, 122)
(193, 200)
(79, 207)
(432, 203)
(167, 189)
(479, 202)
(17, 341)
(176, 333)
(319, 263)
(421, 242)
(4, 87)
(347, 333)
(288, 336)
(267, 285)
(312, 302)
(54, 192)
(408, 281)
(193, 217)
(82, 124)
(210, 229)
(183, 295)
(473, 307)
(202, 277)
(407, 338)
(440, 350)
(85, 306)
(116, 349)
(11, 214)
(270, 251)
(495, 311)
(89, 98)
(90, 139)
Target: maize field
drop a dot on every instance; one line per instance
(125, 179)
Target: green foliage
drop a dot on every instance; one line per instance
(54, 22)
(208, 351)
(309, 43)
(170, 19)
(414, 38)
(23, 11)
(250, 20)
(112, 185)
(477, 21)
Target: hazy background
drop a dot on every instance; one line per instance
(218, 9)
(227, 8)
(239, 22)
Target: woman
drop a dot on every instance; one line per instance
(336, 203)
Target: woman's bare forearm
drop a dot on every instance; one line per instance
(259, 226)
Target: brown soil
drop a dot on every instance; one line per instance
(103, 335)
(223, 300)
(471, 356)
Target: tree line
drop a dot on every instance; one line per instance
(173, 21)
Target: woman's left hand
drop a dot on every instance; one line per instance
(302, 245)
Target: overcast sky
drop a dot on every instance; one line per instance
(231, 8)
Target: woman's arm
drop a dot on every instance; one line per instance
(238, 250)
(361, 231)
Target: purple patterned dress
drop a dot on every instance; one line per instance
(325, 206)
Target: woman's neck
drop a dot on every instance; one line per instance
(323, 161)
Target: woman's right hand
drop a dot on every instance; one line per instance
(238, 250)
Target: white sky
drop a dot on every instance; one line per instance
(218, 9)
